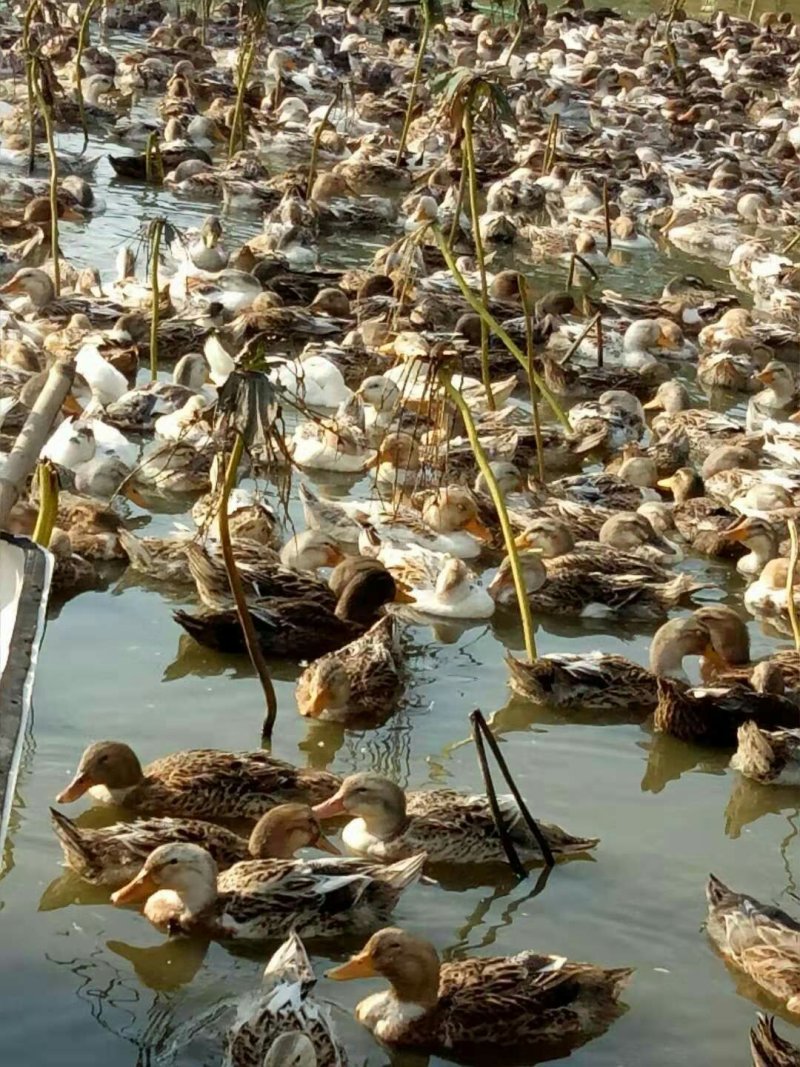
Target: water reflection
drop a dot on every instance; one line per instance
(668, 759)
(750, 801)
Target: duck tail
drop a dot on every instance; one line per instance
(765, 1045)
(134, 549)
(755, 755)
(618, 978)
(405, 872)
(717, 893)
(529, 679)
(680, 586)
(73, 842)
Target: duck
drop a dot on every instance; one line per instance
(768, 1049)
(299, 628)
(201, 248)
(262, 575)
(194, 784)
(558, 590)
(727, 660)
(171, 467)
(644, 340)
(613, 420)
(313, 379)
(494, 1002)
(449, 827)
(448, 523)
(113, 855)
(336, 444)
(705, 429)
(257, 900)
(360, 682)
(712, 716)
(770, 757)
(777, 397)
(138, 409)
(760, 537)
(553, 540)
(756, 938)
(38, 287)
(286, 1026)
(601, 681)
(439, 585)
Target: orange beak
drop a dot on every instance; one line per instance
(333, 556)
(521, 541)
(765, 376)
(329, 809)
(738, 532)
(71, 406)
(713, 658)
(477, 529)
(76, 788)
(654, 404)
(665, 483)
(360, 966)
(318, 703)
(140, 888)
(69, 214)
(12, 286)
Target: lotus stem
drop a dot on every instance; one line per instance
(599, 322)
(582, 337)
(48, 503)
(550, 145)
(480, 726)
(793, 555)
(237, 138)
(153, 156)
(47, 118)
(790, 244)
(29, 76)
(497, 329)
(462, 185)
(514, 862)
(502, 513)
(422, 46)
(312, 166)
(155, 252)
(82, 38)
(237, 591)
(534, 392)
(606, 216)
(472, 187)
(571, 272)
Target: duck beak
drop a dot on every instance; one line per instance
(477, 529)
(319, 702)
(12, 286)
(79, 785)
(738, 532)
(70, 214)
(360, 966)
(765, 376)
(713, 658)
(333, 556)
(140, 888)
(323, 843)
(521, 541)
(71, 406)
(373, 461)
(655, 404)
(329, 809)
(666, 483)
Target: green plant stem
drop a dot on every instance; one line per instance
(237, 590)
(412, 93)
(502, 513)
(158, 226)
(312, 166)
(29, 76)
(462, 185)
(47, 118)
(497, 329)
(48, 503)
(82, 38)
(472, 187)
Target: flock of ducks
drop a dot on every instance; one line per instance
(619, 137)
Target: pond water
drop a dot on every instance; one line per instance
(84, 983)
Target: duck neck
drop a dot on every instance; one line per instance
(197, 896)
(387, 823)
(762, 550)
(666, 658)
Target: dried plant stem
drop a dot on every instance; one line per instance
(502, 513)
(29, 76)
(534, 392)
(550, 145)
(591, 325)
(480, 726)
(790, 604)
(155, 252)
(48, 503)
(312, 166)
(422, 47)
(599, 322)
(472, 187)
(237, 591)
(462, 185)
(47, 118)
(82, 38)
(497, 329)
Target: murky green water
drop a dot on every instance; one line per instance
(84, 983)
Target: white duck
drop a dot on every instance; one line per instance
(106, 382)
(314, 380)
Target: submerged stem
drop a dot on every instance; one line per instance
(47, 118)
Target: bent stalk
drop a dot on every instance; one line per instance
(472, 186)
